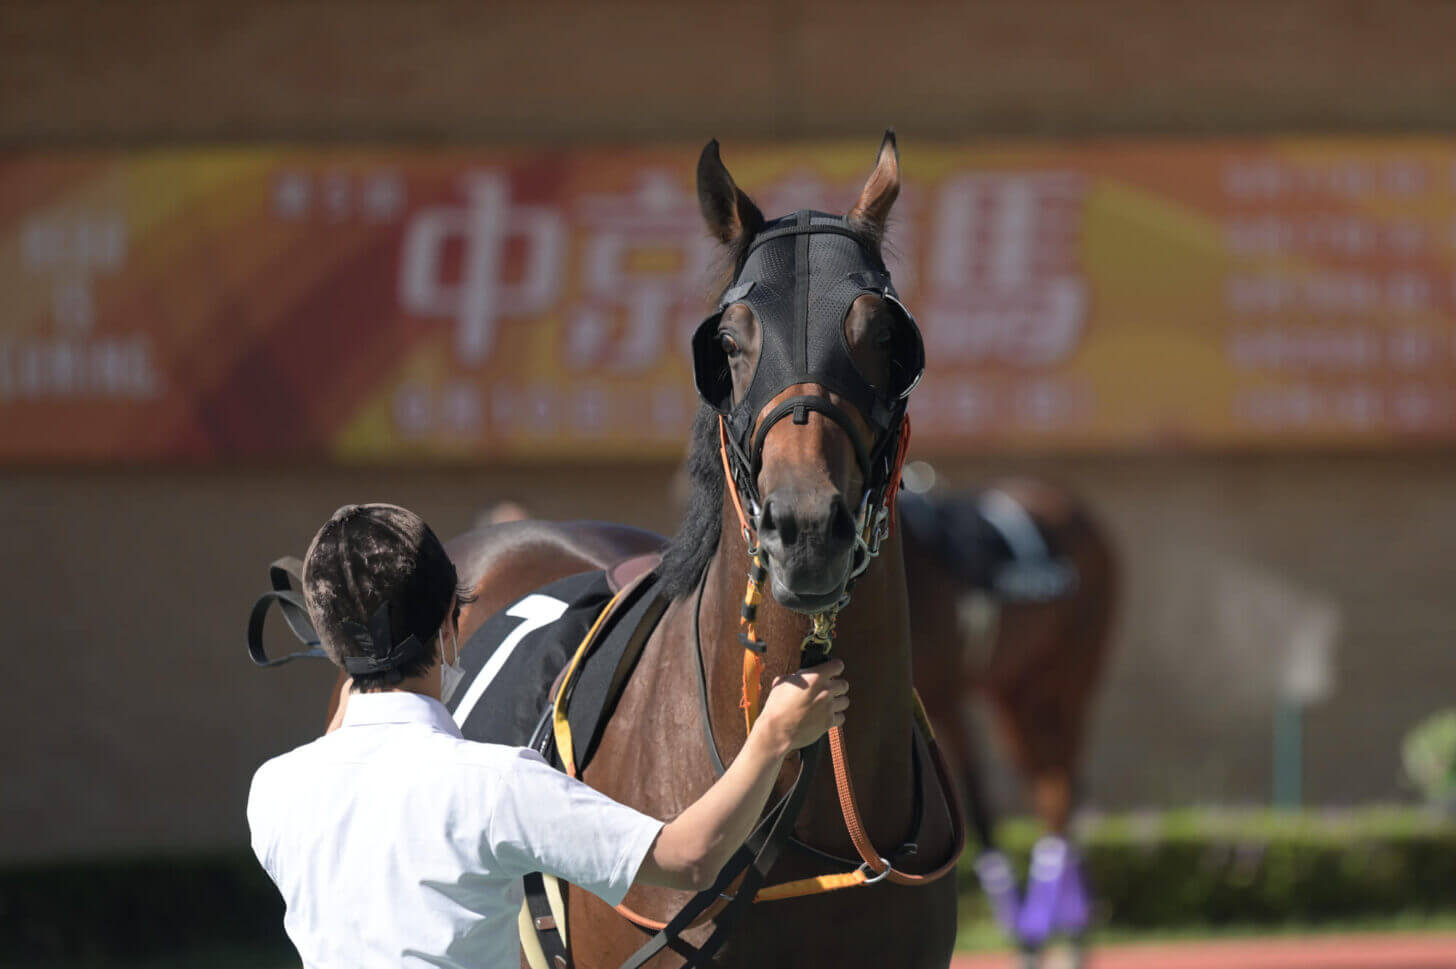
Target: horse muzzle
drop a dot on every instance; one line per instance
(808, 541)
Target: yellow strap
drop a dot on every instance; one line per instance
(921, 716)
(811, 886)
(560, 726)
(526, 926)
(530, 945)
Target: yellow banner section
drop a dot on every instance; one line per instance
(516, 304)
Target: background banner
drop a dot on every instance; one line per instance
(500, 305)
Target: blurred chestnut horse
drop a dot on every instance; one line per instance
(812, 476)
(1013, 590)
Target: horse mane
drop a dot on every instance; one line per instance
(696, 541)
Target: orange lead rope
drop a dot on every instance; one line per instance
(753, 647)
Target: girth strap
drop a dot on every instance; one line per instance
(544, 924)
(626, 606)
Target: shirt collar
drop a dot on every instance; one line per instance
(398, 707)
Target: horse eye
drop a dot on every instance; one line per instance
(885, 337)
(729, 345)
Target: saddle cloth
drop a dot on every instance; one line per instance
(589, 627)
(513, 662)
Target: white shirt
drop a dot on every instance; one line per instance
(396, 842)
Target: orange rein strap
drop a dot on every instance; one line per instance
(849, 807)
(875, 868)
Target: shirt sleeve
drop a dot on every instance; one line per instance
(545, 821)
(260, 827)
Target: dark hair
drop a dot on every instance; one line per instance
(696, 541)
(364, 557)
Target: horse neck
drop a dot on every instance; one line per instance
(873, 640)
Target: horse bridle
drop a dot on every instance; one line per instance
(831, 266)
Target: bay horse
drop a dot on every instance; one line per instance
(814, 451)
(1034, 654)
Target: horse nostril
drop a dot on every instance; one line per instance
(842, 526)
(766, 520)
(788, 529)
(777, 521)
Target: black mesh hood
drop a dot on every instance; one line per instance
(801, 275)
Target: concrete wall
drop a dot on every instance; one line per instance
(137, 719)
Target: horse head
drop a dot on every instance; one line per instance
(809, 329)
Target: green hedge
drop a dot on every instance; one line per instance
(1215, 868)
(1167, 870)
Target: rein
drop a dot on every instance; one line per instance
(876, 523)
(742, 879)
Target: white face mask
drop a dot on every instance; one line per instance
(451, 673)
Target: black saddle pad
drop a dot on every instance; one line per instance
(511, 661)
(514, 658)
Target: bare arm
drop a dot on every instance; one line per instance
(693, 847)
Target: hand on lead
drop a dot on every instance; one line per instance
(801, 707)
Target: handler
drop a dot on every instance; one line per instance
(395, 841)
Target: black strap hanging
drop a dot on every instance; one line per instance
(752, 863)
(281, 574)
(543, 920)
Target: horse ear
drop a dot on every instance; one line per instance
(872, 211)
(731, 215)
